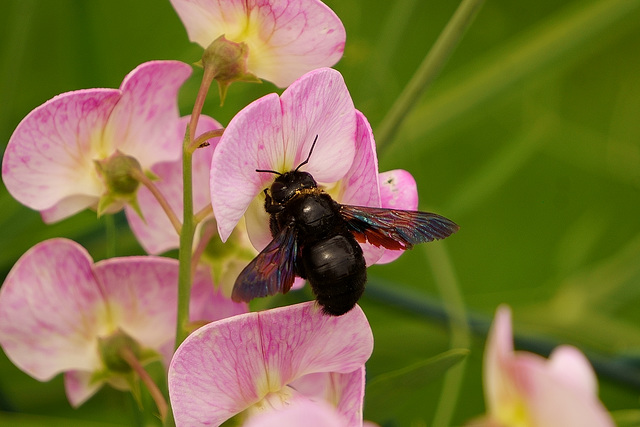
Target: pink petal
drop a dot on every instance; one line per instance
(302, 412)
(286, 38)
(570, 365)
(49, 157)
(359, 186)
(51, 310)
(145, 122)
(79, 387)
(553, 402)
(398, 190)
(206, 20)
(68, 207)
(229, 365)
(498, 353)
(296, 37)
(208, 303)
(142, 295)
(319, 104)
(344, 390)
(155, 233)
(251, 141)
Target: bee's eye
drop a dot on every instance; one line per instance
(277, 190)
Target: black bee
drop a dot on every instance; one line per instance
(316, 238)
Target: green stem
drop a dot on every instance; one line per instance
(186, 245)
(110, 228)
(428, 70)
(447, 283)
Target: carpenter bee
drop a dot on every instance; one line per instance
(316, 238)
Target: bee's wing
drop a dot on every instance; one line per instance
(272, 271)
(394, 228)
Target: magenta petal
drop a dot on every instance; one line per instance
(252, 140)
(51, 310)
(155, 233)
(39, 167)
(319, 104)
(145, 122)
(229, 365)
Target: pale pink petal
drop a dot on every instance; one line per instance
(142, 295)
(229, 365)
(145, 121)
(294, 37)
(318, 104)
(554, 403)
(155, 233)
(303, 412)
(252, 140)
(49, 157)
(51, 310)
(79, 387)
(206, 20)
(207, 301)
(398, 190)
(359, 186)
(346, 391)
(570, 365)
(68, 207)
(498, 352)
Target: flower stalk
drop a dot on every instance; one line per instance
(131, 359)
(144, 180)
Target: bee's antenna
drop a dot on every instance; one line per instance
(269, 171)
(309, 156)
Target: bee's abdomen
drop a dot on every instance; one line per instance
(336, 270)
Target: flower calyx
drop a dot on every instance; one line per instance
(226, 61)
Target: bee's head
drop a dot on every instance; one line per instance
(288, 184)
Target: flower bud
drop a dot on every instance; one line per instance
(119, 173)
(111, 348)
(227, 61)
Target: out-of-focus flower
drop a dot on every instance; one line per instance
(277, 40)
(55, 161)
(269, 360)
(526, 390)
(60, 312)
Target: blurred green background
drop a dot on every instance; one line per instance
(529, 139)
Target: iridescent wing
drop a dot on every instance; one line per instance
(395, 229)
(272, 271)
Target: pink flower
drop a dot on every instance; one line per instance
(285, 38)
(154, 231)
(306, 412)
(269, 360)
(276, 133)
(49, 164)
(57, 307)
(524, 389)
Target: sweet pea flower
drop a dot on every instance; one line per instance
(54, 158)
(306, 412)
(276, 133)
(153, 229)
(526, 390)
(62, 313)
(283, 39)
(264, 361)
